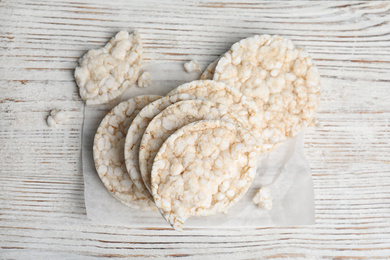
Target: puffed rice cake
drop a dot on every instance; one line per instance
(136, 131)
(108, 152)
(202, 169)
(170, 120)
(208, 73)
(238, 103)
(279, 77)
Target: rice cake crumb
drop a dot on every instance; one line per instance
(263, 198)
(144, 81)
(192, 66)
(188, 182)
(57, 117)
(104, 74)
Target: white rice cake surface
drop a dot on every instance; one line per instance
(106, 73)
(136, 131)
(108, 152)
(208, 73)
(279, 77)
(221, 93)
(170, 120)
(210, 175)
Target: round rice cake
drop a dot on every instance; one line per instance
(279, 77)
(208, 73)
(136, 131)
(210, 175)
(108, 152)
(238, 103)
(170, 120)
(106, 73)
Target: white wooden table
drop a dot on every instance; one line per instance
(42, 211)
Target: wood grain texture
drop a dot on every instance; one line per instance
(42, 211)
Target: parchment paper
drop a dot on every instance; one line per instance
(285, 170)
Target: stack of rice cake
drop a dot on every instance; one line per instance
(194, 152)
